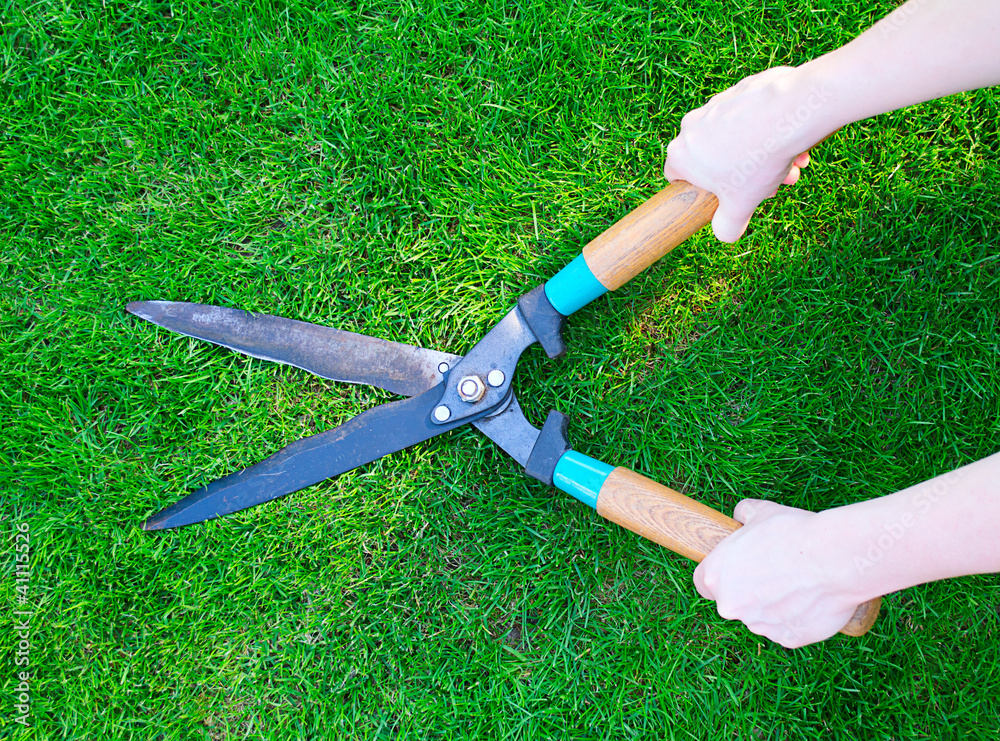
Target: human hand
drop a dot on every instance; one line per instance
(747, 141)
(784, 574)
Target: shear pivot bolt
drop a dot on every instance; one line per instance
(442, 367)
(442, 413)
(471, 389)
(495, 378)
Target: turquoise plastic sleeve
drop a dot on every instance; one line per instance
(581, 476)
(573, 287)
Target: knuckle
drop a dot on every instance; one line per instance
(689, 118)
(748, 509)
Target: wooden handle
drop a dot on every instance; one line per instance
(684, 526)
(638, 240)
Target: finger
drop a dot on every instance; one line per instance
(790, 637)
(802, 160)
(726, 611)
(773, 633)
(750, 509)
(793, 176)
(699, 583)
(760, 629)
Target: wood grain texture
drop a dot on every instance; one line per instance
(662, 515)
(863, 618)
(683, 525)
(642, 237)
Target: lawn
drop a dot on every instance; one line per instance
(406, 170)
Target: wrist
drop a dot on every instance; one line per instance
(810, 107)
(878, 552)
(845, 538)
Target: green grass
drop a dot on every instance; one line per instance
(407, 170)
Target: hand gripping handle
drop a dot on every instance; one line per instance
(632, 244)
(663, 515)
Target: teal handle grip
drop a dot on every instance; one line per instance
(573, 287)
(581, 476)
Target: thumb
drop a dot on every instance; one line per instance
(730, 223)
(752, 509)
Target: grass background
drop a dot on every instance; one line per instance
(406, 170)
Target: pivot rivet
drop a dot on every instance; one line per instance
(471, 389)
(496, 378)
(442, 413)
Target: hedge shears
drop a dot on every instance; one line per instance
(444, 391)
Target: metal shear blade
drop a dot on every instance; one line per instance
(344, 356)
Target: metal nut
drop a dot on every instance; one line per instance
(471, 389)
(495, 378)
(442, 413)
